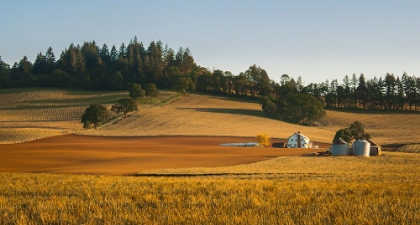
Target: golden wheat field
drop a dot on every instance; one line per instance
(50, 112)
(297, 190)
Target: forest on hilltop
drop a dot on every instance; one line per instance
(94, 67)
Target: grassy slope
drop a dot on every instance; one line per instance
(32, 113)
(209, 115)
(384, 127)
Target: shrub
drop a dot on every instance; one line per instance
(263, 139)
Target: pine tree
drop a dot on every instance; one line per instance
(362, 91)
(113, 54)
(39, 66)
(123, 51)
(50, 61)
(104, 54)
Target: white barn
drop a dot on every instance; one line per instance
(298, 140)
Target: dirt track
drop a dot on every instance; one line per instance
(129, 155)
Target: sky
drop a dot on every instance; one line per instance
(317, 40)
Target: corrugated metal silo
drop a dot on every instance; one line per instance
(340, 147)
(361, 148)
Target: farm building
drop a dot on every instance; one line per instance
(298, 140)
(340, 147)
(375, 149)
(278, 145)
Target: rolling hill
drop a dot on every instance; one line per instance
(205, 115)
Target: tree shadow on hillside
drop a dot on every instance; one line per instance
(236, 99)
(246, 112)
(372, 111)
(230, 97)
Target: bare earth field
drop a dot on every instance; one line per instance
(130, 155)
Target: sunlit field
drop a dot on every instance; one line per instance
(198, 115)
(340, 190)
(29, 114)
(282, 190)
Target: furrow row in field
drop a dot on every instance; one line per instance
(49, 114)
(18, 135)
(30, 98)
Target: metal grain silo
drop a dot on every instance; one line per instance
(361, 148)
(340, 147)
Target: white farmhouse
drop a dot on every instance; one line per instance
(298, 140)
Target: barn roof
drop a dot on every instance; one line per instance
(372, 143)
(298, 133)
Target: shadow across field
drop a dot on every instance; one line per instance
(246, 112)
(229, 97)
(371, 111)
(236, 99)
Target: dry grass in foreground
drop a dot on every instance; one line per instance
(333, 194)
(394, 165)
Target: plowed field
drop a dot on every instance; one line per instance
(129, 155)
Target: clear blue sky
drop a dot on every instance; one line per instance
(317, 40)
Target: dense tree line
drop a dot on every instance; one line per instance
(388, 93)
(384, 93)
(90, 66)
(102, 68)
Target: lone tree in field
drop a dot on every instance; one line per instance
(95, 115)
(182, 84)
(151, 90)
(354, 132)
(135, 91)
(125, 106)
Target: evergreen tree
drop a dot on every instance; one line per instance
(105, 54)
(39, 66)
(353, 96)
(113, 54)
(299, 84)
(400, 99)
(123, 51)
(4, 74)
(347, 91)
(362, 91)
(50, 61)
(390, 90)
(90, 52)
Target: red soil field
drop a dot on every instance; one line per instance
(78, 154)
